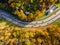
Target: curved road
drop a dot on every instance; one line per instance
(41, 23)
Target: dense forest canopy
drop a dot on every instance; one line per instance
(36, 4)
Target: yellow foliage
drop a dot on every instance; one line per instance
(38, 13)
(31, 34)
(12, 40)
(7, 34)
(53, 1)
(12, 5)
(34, 40)
(39, 40)
(32, 30)
(30, 16)
(27, 34)
(20, 14)
(16, 28)
(59, 30)
(16, 12)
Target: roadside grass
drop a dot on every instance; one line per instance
(57, 22)
(58, 5)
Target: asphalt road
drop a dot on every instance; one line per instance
(20, 23)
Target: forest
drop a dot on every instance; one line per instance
(11, 34)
